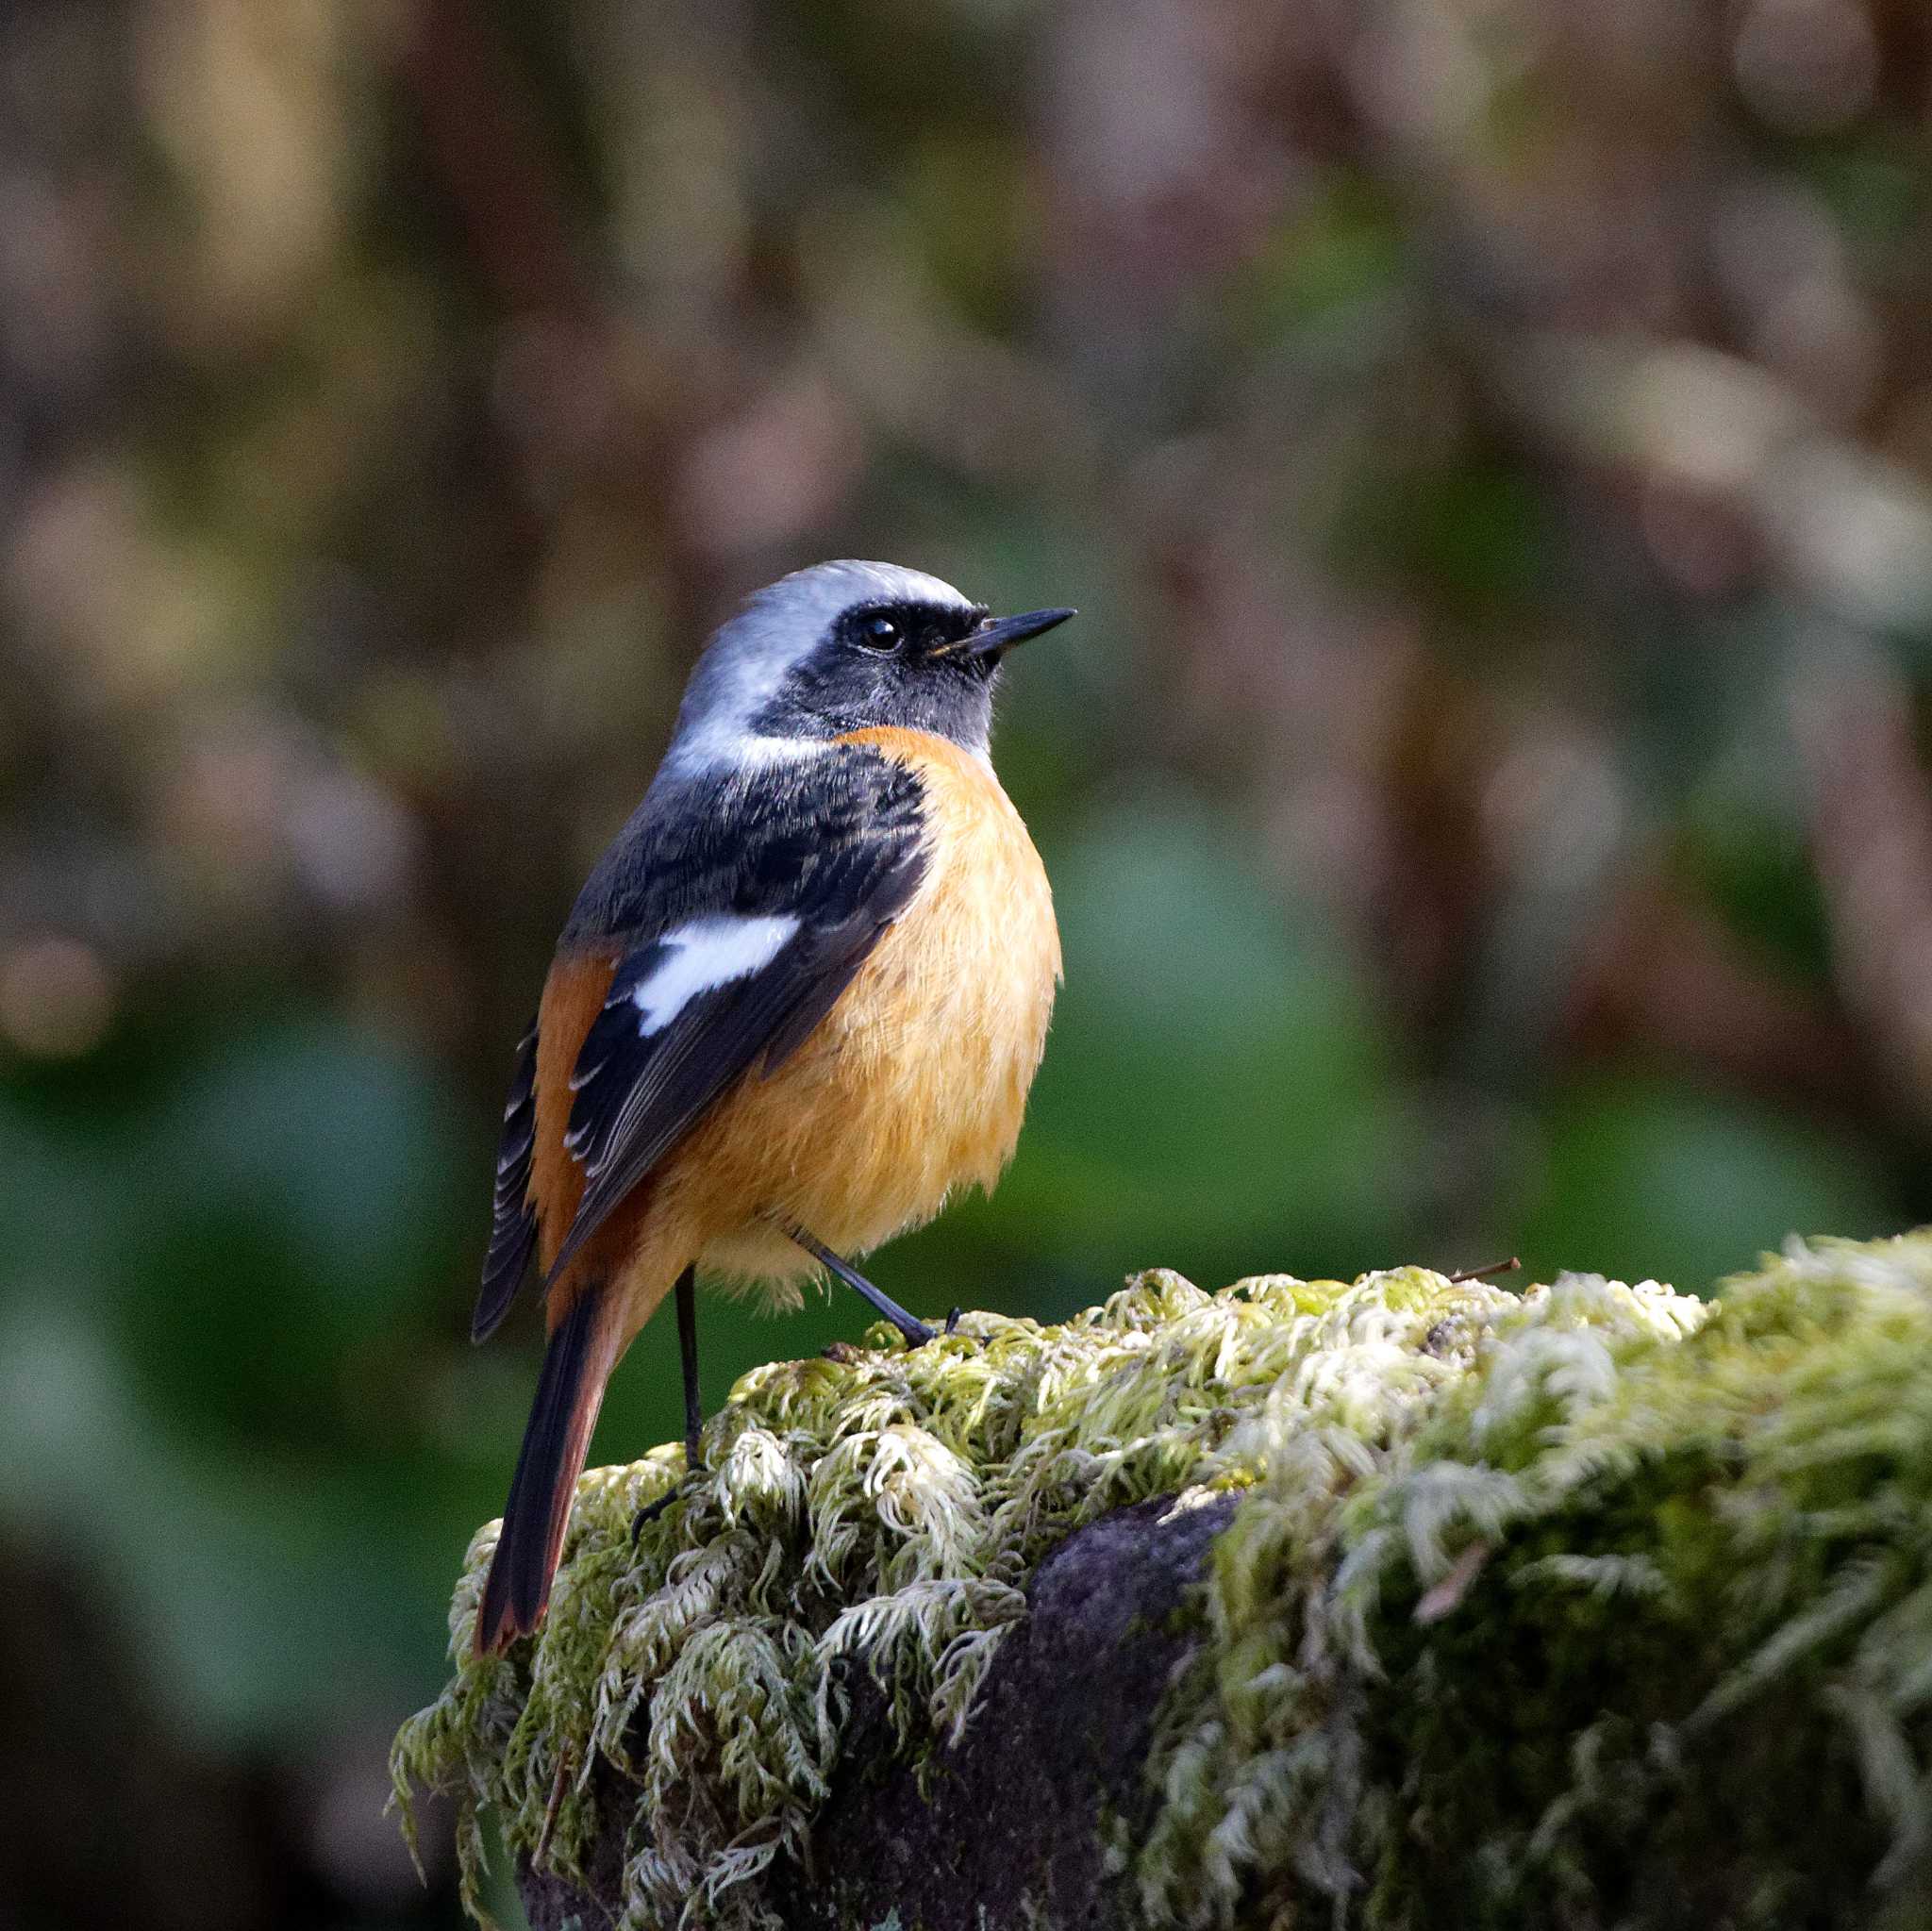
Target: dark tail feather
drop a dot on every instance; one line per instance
(569, 1391)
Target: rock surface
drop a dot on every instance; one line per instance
(1014, 1826)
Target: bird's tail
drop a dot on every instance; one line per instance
(569, 1391)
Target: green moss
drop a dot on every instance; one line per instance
(1490, 1634)
(882, 1513)
(1631, 1625)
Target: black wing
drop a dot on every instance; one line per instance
(513, 1228)
(835, 844)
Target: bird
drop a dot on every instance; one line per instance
(799, 1001)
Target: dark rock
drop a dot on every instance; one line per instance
(1017, 1818)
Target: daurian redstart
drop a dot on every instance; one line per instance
(799, 1000)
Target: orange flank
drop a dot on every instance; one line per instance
(572, 997)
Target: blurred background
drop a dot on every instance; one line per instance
(1489, 442)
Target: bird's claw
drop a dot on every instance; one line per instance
(652, 1511)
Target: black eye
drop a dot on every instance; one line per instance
(879, 633)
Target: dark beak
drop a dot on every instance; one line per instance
(998, 634)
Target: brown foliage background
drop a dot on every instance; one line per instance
(1491, 443)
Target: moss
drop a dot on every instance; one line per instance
(1508, 1581)
(1631, 1624)
(882, 1513)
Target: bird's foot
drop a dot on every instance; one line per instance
(652, 1511)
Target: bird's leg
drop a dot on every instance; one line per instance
(694, 1407)
(916, 1332)
(687, 1358)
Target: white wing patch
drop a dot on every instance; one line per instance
(704, 953)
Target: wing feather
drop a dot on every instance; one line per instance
(513, 1221)
(641, 1083)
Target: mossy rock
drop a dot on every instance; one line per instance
(1432, 1604)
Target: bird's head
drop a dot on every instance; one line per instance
(840, 647)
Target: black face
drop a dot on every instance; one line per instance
(890, 663)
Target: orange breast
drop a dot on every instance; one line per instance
(917, 1080)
